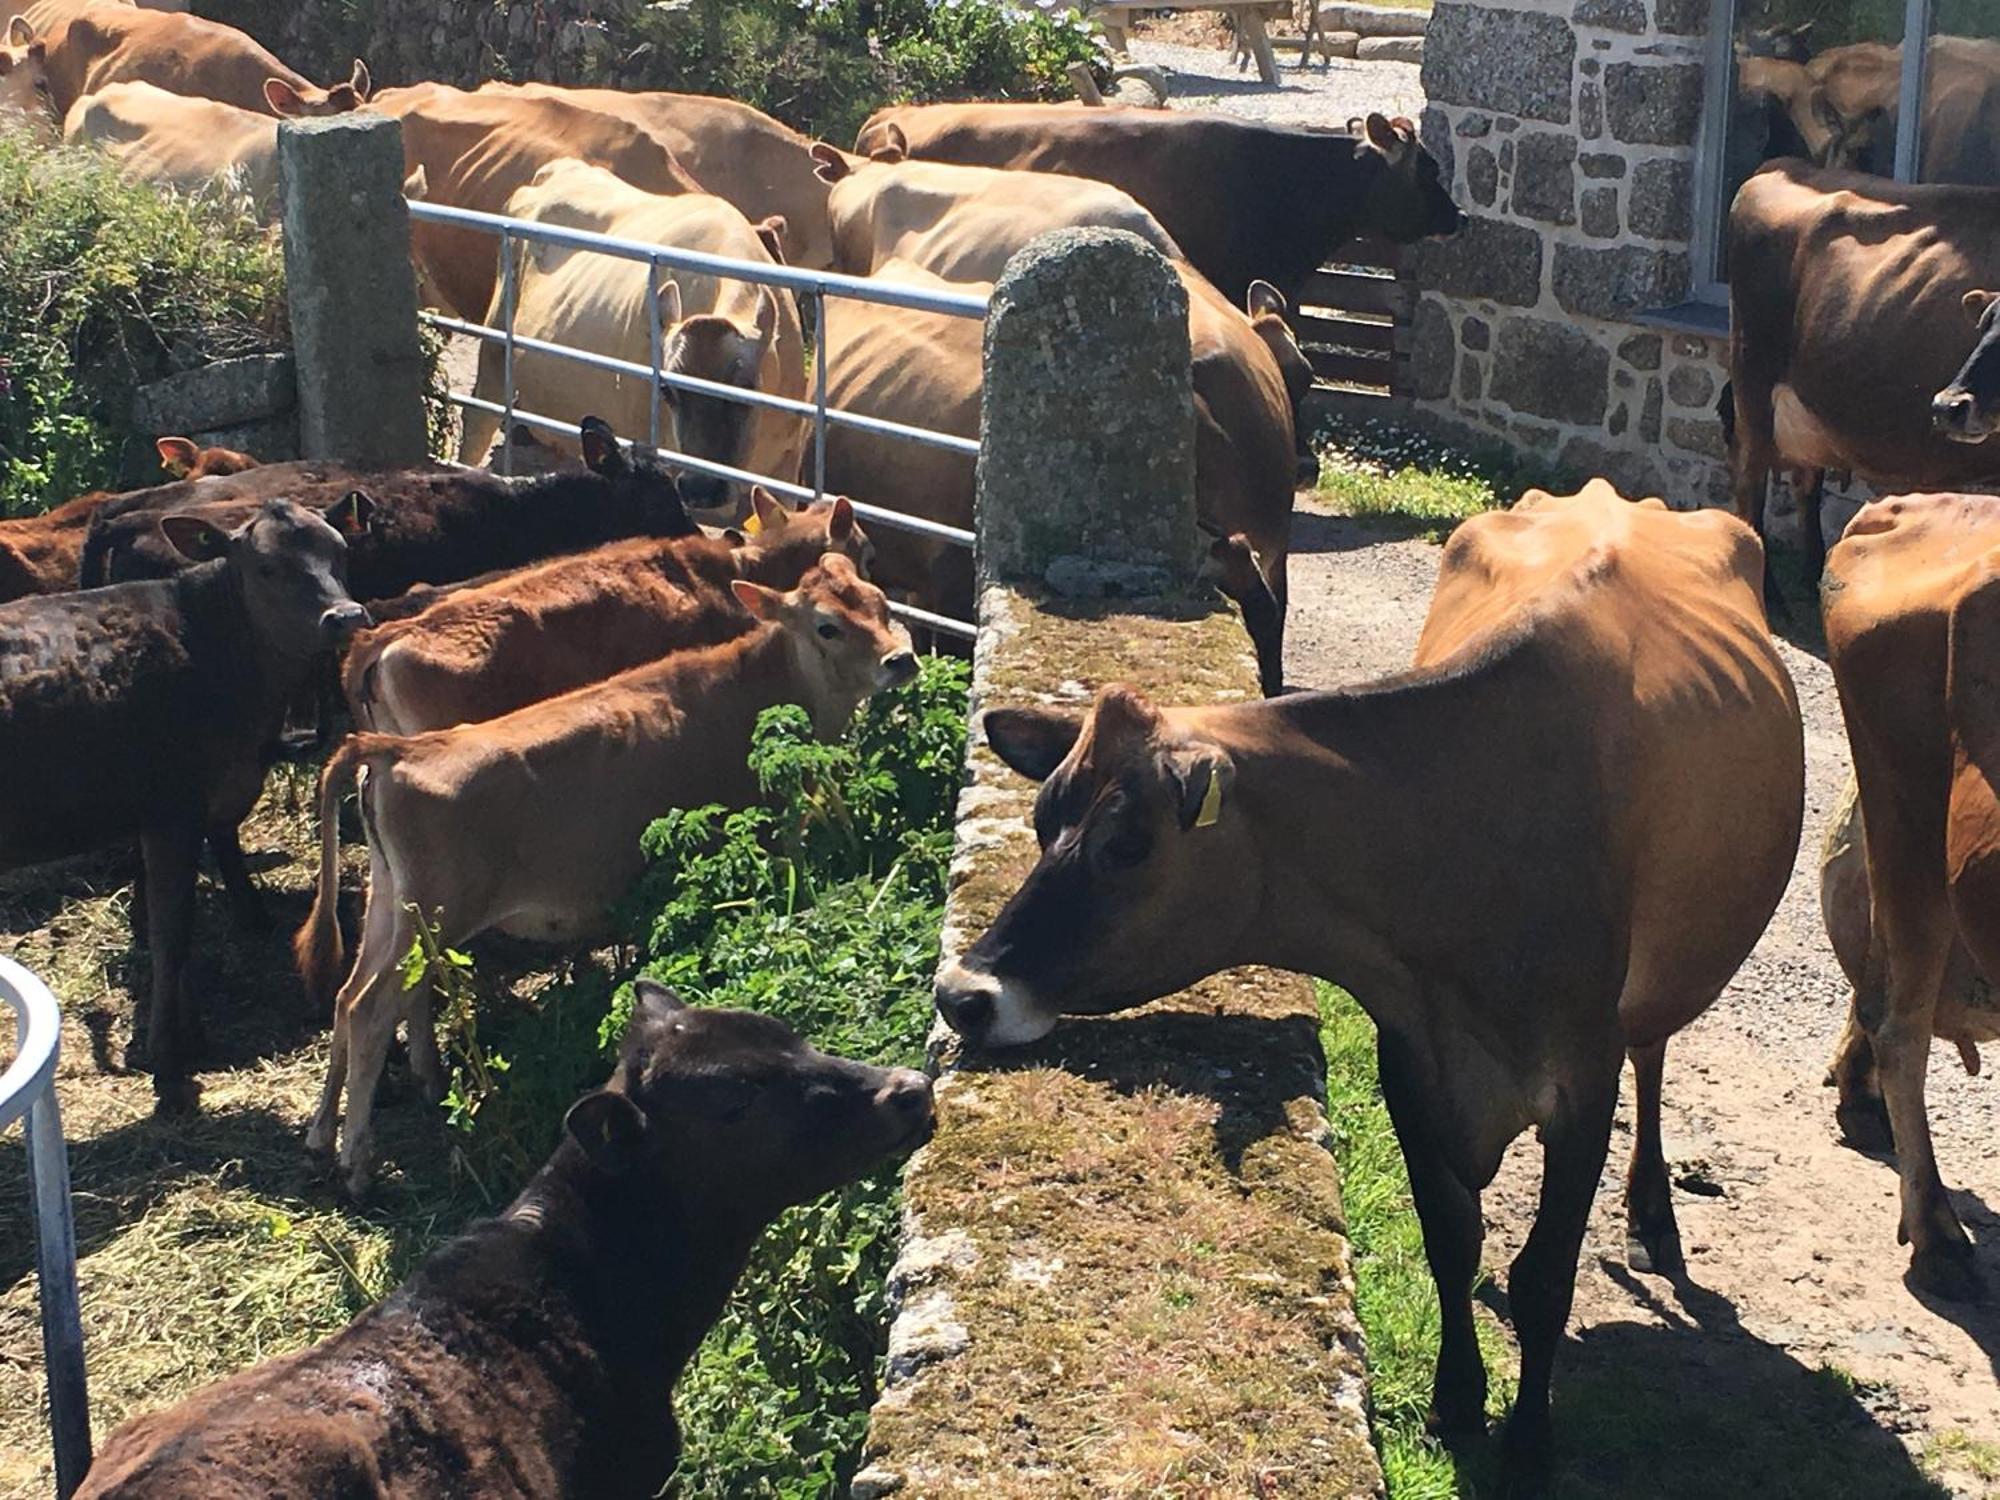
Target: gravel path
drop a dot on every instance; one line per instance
(1331, 95)
(1790, 1237)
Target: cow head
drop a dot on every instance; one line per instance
(24, 74)
(1408, 198)
(1265, 305)
(1968, 410)
(644, 484)
(290, 568)
(1130, 900)
(730, 1117)
(713, 347)
(282, 98)
(185, 459)
(784, 543)
(844, 644)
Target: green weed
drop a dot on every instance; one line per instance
(1418, 484)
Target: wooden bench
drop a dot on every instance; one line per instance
(1249, 24)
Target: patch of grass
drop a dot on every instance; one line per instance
(1418, 485)
(1954, 1455)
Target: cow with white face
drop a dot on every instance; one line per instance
(729, 332)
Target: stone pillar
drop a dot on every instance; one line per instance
(352, 291)
(1086, 470)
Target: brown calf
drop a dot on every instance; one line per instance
(529, 824)
(484, 651)
(1503, 854)
(536, 1354)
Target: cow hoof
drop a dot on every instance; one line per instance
(1655, 1254)
(1453, 1422)
(354, 1182)
(175, 1097)
(1864, 1125)
(1525, 1466)
(1946, 1270)
(138, 1052)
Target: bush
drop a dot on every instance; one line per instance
(105, 284)
(822, 907)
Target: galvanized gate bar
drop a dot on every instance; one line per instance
(27, 1089)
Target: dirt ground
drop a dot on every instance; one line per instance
(1790, 1236)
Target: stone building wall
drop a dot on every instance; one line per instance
(1568, 128)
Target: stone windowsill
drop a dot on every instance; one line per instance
(1703, 319)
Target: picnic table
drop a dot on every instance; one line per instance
(1249, 24)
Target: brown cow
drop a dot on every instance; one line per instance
(1912, 610)
(485, 651)
(536, 1354)
(143, 710)
(1965, 1016)
(184, 55)
(1510, 855)
(923, 369)
(477, 150)
(529, 824)
(41, 554)
(174, 140)
(1831, 272)
(24, 76)
(1244, 200)
(763, 167)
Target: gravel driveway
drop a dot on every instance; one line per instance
(1320, 95)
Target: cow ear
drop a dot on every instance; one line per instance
(770, 510)
(767, 314)
(610, 1128)
(828, 164)
(177, 455)
(349, 515)
(1381, 134)
(196, 539)
(732, 537)
(282, 98)
(762, 603)
(1204, 776)
(669, 298)
(1263, 298)
(417, 186)
(657, 1002)
(601, 453)
(1032, 741)
(1976, 302)
(360, 82)
(772, 233)
(840, 525)
(20, 32)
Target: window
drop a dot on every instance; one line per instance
(1833, 81)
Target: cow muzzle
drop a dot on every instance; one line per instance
(906, 1099)
(987, 1011)
(1955, 415)
(339, 622)
(898, 667)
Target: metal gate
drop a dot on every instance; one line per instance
(812, 288)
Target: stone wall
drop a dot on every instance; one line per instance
(1568, 128)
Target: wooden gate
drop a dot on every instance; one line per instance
(1352, 320)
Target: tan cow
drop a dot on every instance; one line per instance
(731, 332)
(24, 76)
(923, 369)
(961, 223)
(186, 55)
(1912, 610)
(529, 824)
(762, 166)
(1516, 856)
(477, 150)
(178, 141)
(1966, 1013)
(488, 649)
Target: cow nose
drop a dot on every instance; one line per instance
(1951, 411)
(965, 1000)
(340, 621)
(704, 491)
(900, 666)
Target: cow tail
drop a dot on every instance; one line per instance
(317, 945)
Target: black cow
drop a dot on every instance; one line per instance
(435, 525)
(1968, 409)
(536, 1354)
(1246, 201)
(143, 709)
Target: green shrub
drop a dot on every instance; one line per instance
(105, 284)
(821, 907)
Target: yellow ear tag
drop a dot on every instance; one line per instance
(752, 523)
(1211, 803)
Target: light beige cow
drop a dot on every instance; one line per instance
(181, 142)
(731, 332)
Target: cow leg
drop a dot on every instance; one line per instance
(426, 1066)
(378, 1002)
(374, 957)
(1811, 496)
(1863, 1117)
(1749, 481)
(170, 855)
(1542, 1280)
(1906, 964)
(477, 429)
(1453, 1230)
(140, 916)
(1652, 1238)
(326, 1119)
(246, 902)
